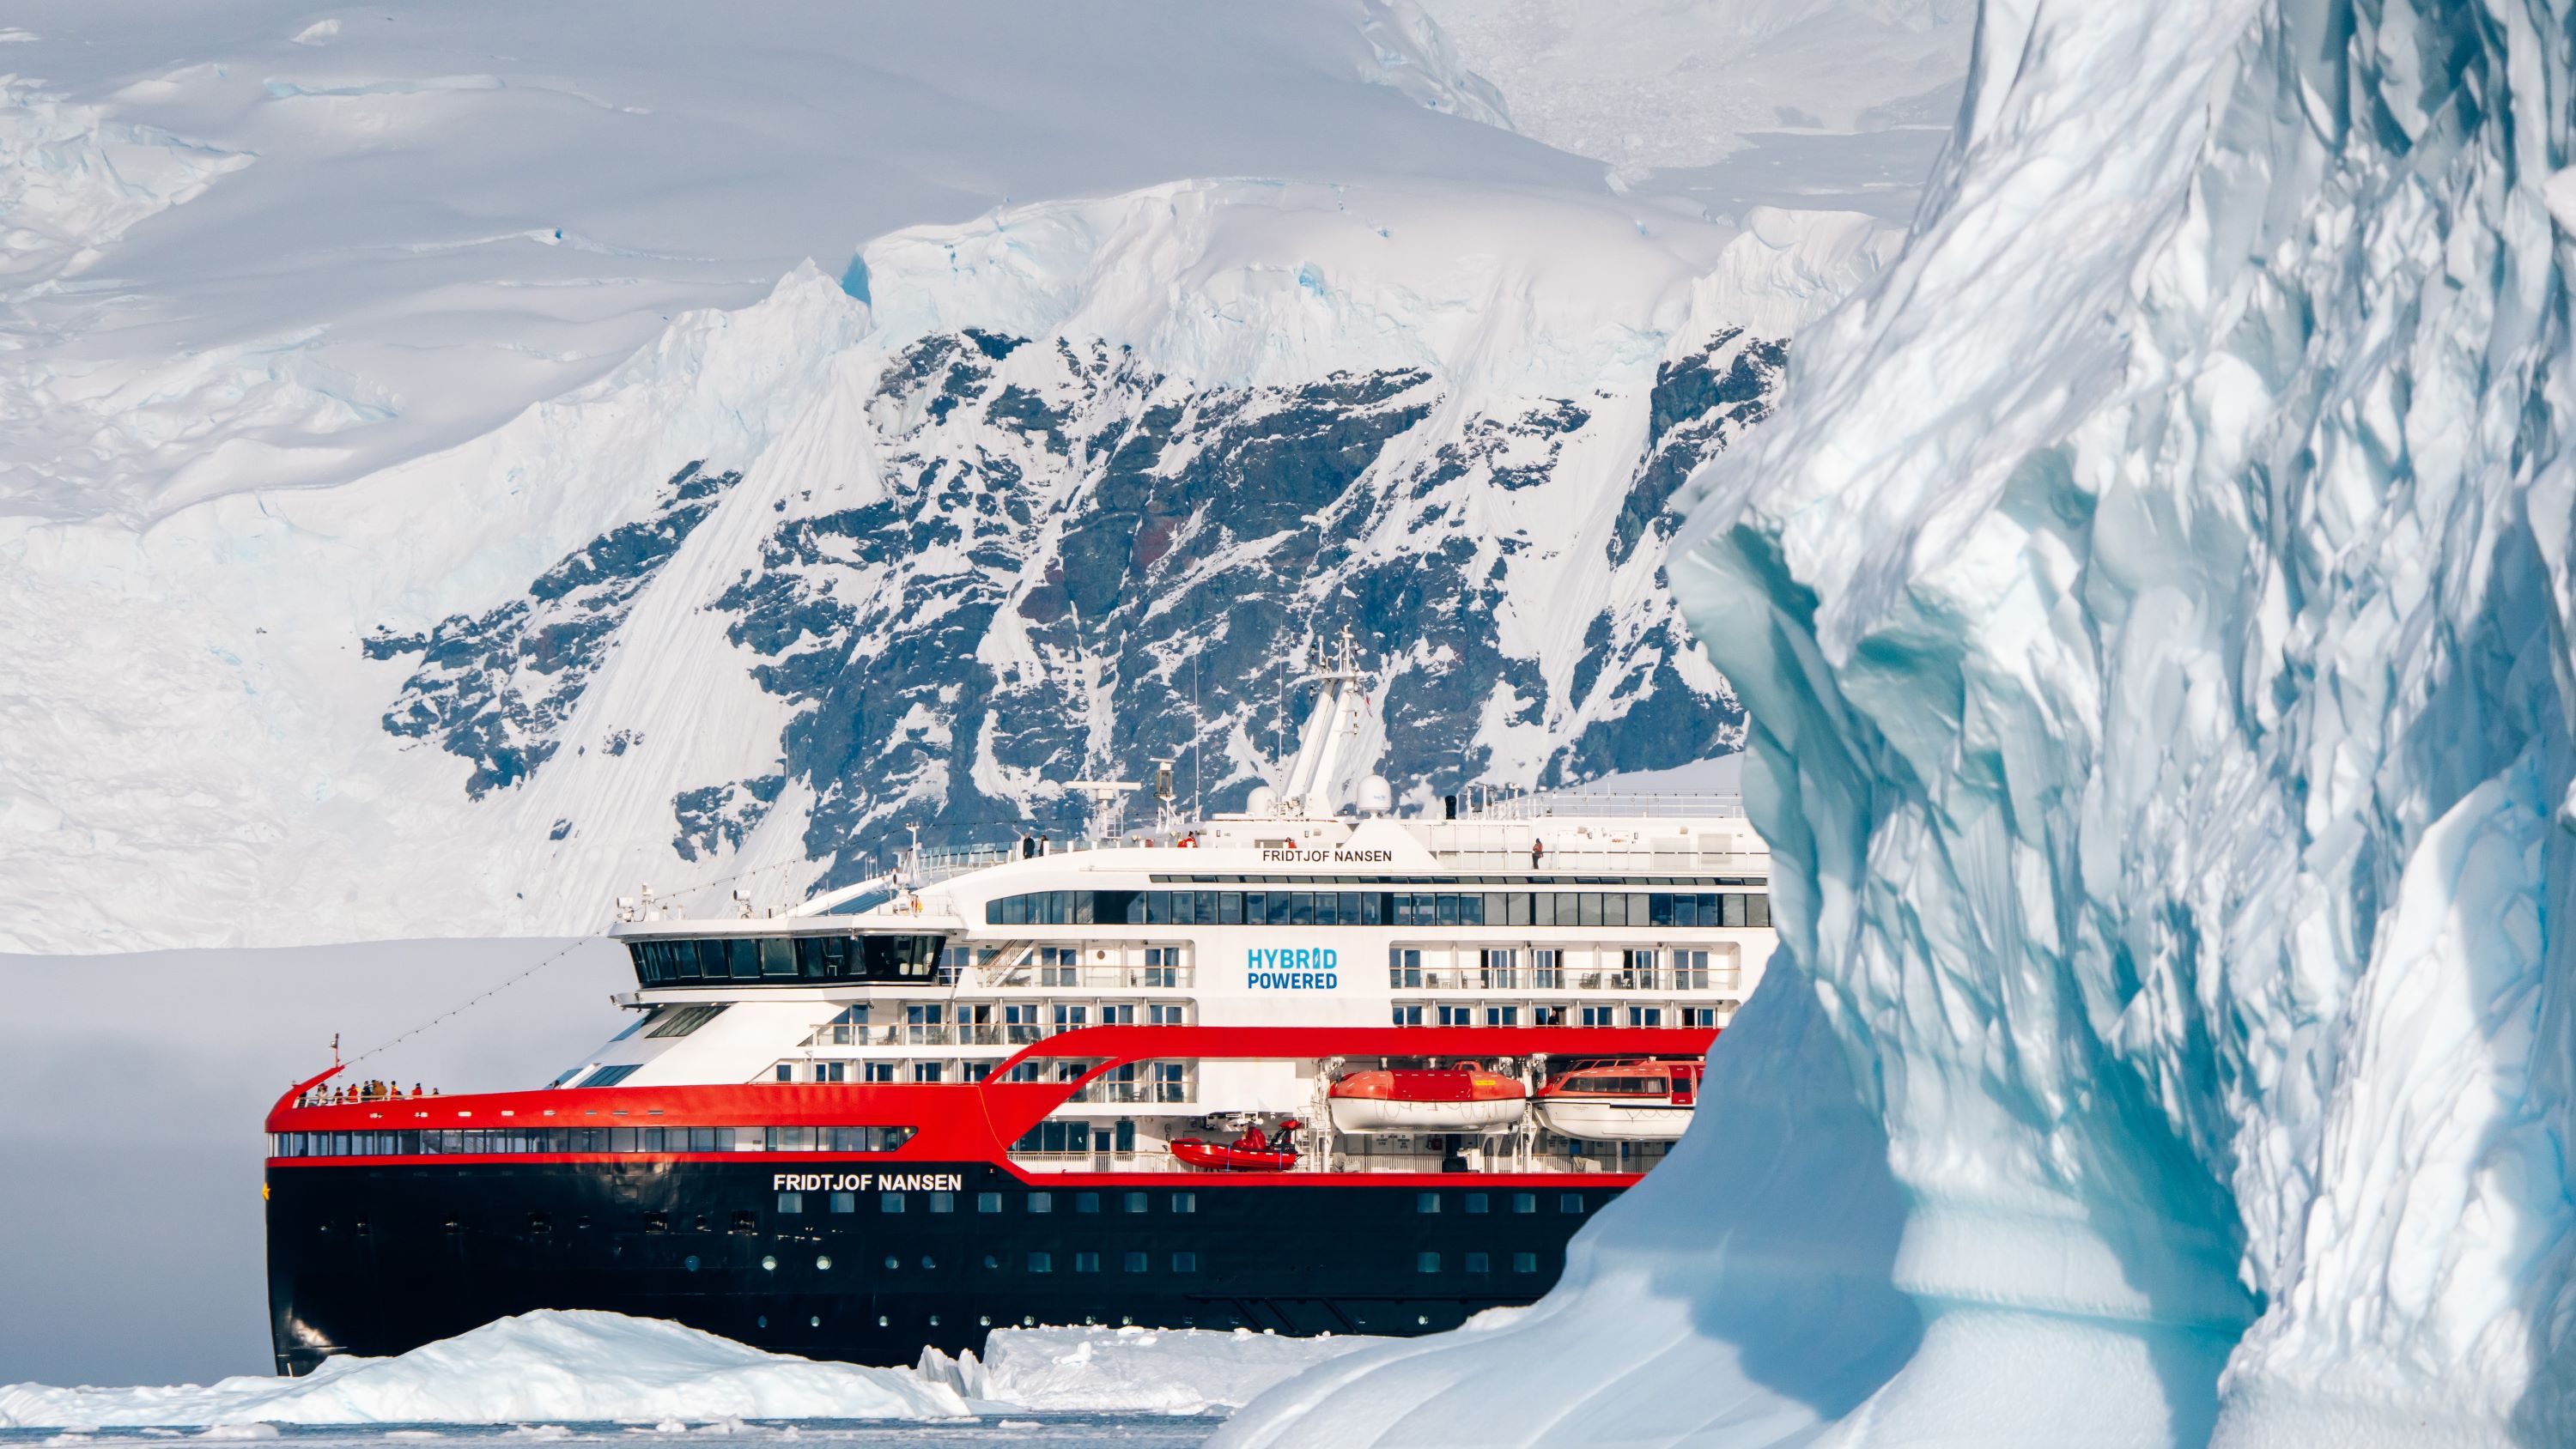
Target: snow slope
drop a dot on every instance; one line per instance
(800, 574)
(2162, 724)
(1722, 104)
(281, 244)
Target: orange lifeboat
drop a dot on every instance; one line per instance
(1251, 1152)
(1457, 1099)
(1631, 1101)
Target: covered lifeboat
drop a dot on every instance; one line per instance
(1632, 1101)
(1456, 1099)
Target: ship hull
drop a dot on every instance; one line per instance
(377, 1258)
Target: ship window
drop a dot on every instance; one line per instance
(988, 1202)
(1203, 909)
(1185, 1202)
(1757, 911)
(1041, 1202)
(845, 1202)
(1730, 910)
(1407, 1015)
(943, 1202)
(1426, 1262)
(682, 1020)
(1471, 910)
(1346, 908)
(786, 1072)
(1445, 908)
(1086, 1262)
(1086, 1202)
(1185, 1262)
(1569, 1202)
(1328, 911)
(1524, 1262)
(1136, 1202)
(1479, 1263)
(1278, 906)
(1158, 908)
(1229, 908)
(1475, 1202)
(1426, 1202)
(1135, 1262)
(889, 1202)
(611, 1076)
(1524, 1202)
(1041, 1263)
(791, 1202)
(1301, 908)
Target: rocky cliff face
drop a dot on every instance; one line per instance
(1070, 561)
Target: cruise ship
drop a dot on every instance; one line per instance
(1317, 1066)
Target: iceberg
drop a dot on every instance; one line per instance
(556, 1366)
(2151, 603)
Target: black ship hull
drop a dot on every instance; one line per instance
(869, 1262)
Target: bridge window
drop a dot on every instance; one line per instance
(1185, 1262)
(1426, 1262)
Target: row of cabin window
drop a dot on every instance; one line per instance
(457, 1142)
(994, 1202)
(1688, 1018)
(786, 958)
(1380, 908)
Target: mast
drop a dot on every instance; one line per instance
(1332, 728)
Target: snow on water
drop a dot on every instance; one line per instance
(550, 1365)
(2161, 721)
(1172, 1370)
(594, 1367)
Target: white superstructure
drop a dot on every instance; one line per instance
(1316, 907)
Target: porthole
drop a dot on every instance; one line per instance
(764, 1320)
(983, 1320)
(1422, 1318)
(690, 1262)
(893, 1263)
(769, 1265)
(1028, 1320)
(824, 1262)
(814, 1322)
(881, 1320)
(934, 1320)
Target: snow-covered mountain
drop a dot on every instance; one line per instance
(316, 645)
(2162, 724)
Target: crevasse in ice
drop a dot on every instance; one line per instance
(2153, 604)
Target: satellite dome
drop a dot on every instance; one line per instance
(1377, 797)
(1263, 801)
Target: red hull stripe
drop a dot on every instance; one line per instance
(818, 1161)
(954, 1121)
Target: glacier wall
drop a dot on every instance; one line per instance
(2162, 725)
